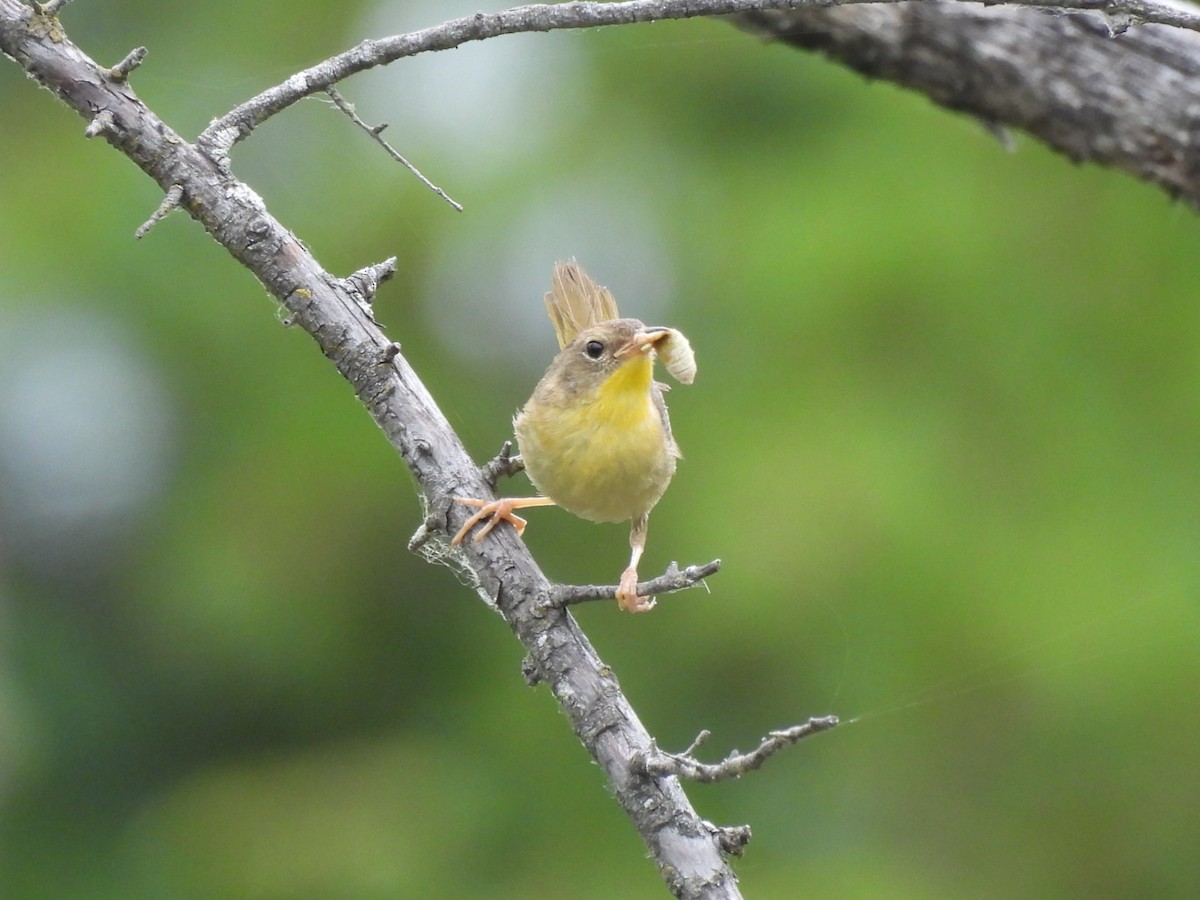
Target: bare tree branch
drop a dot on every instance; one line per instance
(674, 579)
(226, 131)
(1126, 99)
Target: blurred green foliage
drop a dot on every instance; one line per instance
(944, 437)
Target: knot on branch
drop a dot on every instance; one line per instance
(531, 671)
(731, 839)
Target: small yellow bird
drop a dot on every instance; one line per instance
(595, 437)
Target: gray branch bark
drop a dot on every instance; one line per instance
(1126, 99)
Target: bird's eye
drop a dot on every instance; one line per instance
(593, 349)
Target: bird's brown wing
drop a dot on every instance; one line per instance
(575, 302)
(657, 390)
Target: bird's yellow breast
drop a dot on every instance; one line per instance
(604, 455)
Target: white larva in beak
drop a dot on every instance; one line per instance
(676, 354)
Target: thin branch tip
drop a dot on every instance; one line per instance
(170, 202)
(50, 8)
(695, 745)
(133, 59)
(364, 283)
(431, 526)
(503, 465)
(421, 536)
(374, 132)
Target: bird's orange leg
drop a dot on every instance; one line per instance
(496, 511)
(627, 597)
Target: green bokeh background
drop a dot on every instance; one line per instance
(944, 436)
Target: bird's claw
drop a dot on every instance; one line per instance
(495, 511)
(627, 595)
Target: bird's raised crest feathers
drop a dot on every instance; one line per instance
(575, 302)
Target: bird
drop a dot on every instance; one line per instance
(594, 436)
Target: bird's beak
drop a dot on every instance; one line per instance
(644, 341)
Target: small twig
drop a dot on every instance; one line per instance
(169, 204)
(51, 7)
(697, 743)
(1000, 132)
(374, 133)
(426, 530)
(670, 581)
(502, 465)
(131, 61)
(363, 284)
(685, 765)
(102, 122)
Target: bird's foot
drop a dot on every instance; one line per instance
(627, 595)
(495, 511)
